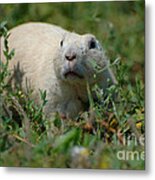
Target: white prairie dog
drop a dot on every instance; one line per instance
(50, 58)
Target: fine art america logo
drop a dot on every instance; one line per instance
(132, 141)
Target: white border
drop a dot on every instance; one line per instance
(39, 174)
(27, 1)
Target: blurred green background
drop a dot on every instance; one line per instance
(118, 25)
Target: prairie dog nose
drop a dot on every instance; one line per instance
(70, 56)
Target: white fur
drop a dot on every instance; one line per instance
(40, 63)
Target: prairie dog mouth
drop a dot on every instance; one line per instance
(70, 73)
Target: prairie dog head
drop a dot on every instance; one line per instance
(79, 58)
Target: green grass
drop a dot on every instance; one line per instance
(95, 140)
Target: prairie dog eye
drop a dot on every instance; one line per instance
(92, 44)
(61, 43)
